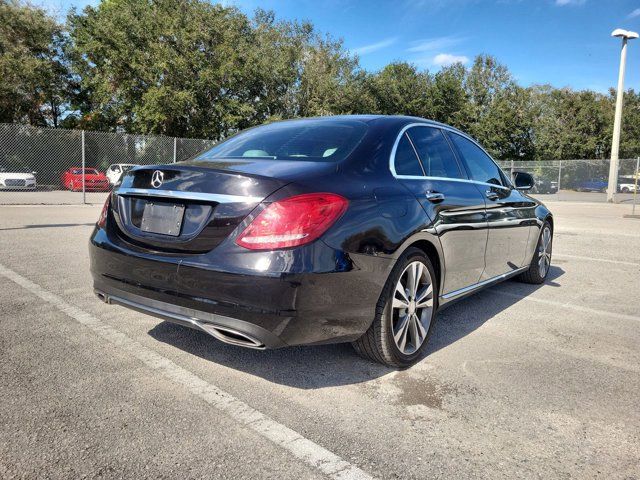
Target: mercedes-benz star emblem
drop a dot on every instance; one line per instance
(157, 178)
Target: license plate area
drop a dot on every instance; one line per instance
(162, 218)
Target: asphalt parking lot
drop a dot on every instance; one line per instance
(521, 381)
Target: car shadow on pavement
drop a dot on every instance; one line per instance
(313, 367)
(467, 315)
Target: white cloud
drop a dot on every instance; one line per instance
(562, 3)
(429, 44)
(634, 14)
(374, 47)
(445, 59)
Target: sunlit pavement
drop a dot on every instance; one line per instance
(520, 381)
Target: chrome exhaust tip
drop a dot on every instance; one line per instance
(102, 296)
(230, 336)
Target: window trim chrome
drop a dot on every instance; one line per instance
(182, 195)
(392, 158)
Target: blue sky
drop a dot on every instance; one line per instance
(561, 42)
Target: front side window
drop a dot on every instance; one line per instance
(406, 162)
(435, 153)
(480, 166)
(307, 140)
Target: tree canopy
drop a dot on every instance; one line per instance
(192, 68)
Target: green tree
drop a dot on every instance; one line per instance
(399, 88)
(630, 136)
(35, 83)
(449, 98)
(571, 124)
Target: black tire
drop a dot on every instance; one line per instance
(377, 343)
(534, 275)
(625, 190)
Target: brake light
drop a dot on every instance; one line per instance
(102, 219)
(293, 221)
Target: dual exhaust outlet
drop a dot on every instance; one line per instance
(219, 332)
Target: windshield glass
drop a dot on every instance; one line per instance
(307, 140)
(87, 171)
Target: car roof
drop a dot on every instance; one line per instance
(399, 120)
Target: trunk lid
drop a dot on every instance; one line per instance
(195, 206)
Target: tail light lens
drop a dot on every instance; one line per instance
(102, 219)
(293, 221)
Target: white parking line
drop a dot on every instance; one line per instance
(591, 232)
(570, 306)
(304, 449)
(592, 259)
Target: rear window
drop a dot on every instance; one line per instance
(308, 140)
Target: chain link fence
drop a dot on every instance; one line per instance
(579, 180)
(57, 166)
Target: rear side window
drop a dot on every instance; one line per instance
(406, 162)
(303, 140)
(433, 148)
(480, 166)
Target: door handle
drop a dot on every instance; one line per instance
(434, 197)
(491, 195)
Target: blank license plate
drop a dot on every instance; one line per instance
(162, 218)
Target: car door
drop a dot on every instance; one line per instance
(425, 163)
(510, 214)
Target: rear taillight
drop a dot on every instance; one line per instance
(293, 221)
(102, 219)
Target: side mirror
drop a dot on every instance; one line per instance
(523, 180)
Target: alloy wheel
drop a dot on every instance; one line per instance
(544, 252)
(412, 308)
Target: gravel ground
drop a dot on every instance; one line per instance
(520, 381)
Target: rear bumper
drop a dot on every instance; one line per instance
(317, 294)
(225, 329)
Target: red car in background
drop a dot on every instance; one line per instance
(93, 180)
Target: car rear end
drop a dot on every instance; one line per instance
(237, 255)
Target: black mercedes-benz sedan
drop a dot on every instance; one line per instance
(337, 229)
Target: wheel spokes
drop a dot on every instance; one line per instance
(422, 332)
(424, 299)
(415, 336)
(400, 336)
(413, 300)
(413, 278)
(400, 299)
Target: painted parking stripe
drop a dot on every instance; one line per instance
(304, 449)
(599, 233)
(570, 306)
(593, 259)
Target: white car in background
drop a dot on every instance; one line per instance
(17, 179)
(628, 185)
(115, 171)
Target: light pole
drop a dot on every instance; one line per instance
(615, 146)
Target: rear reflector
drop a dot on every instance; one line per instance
(293, 221)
